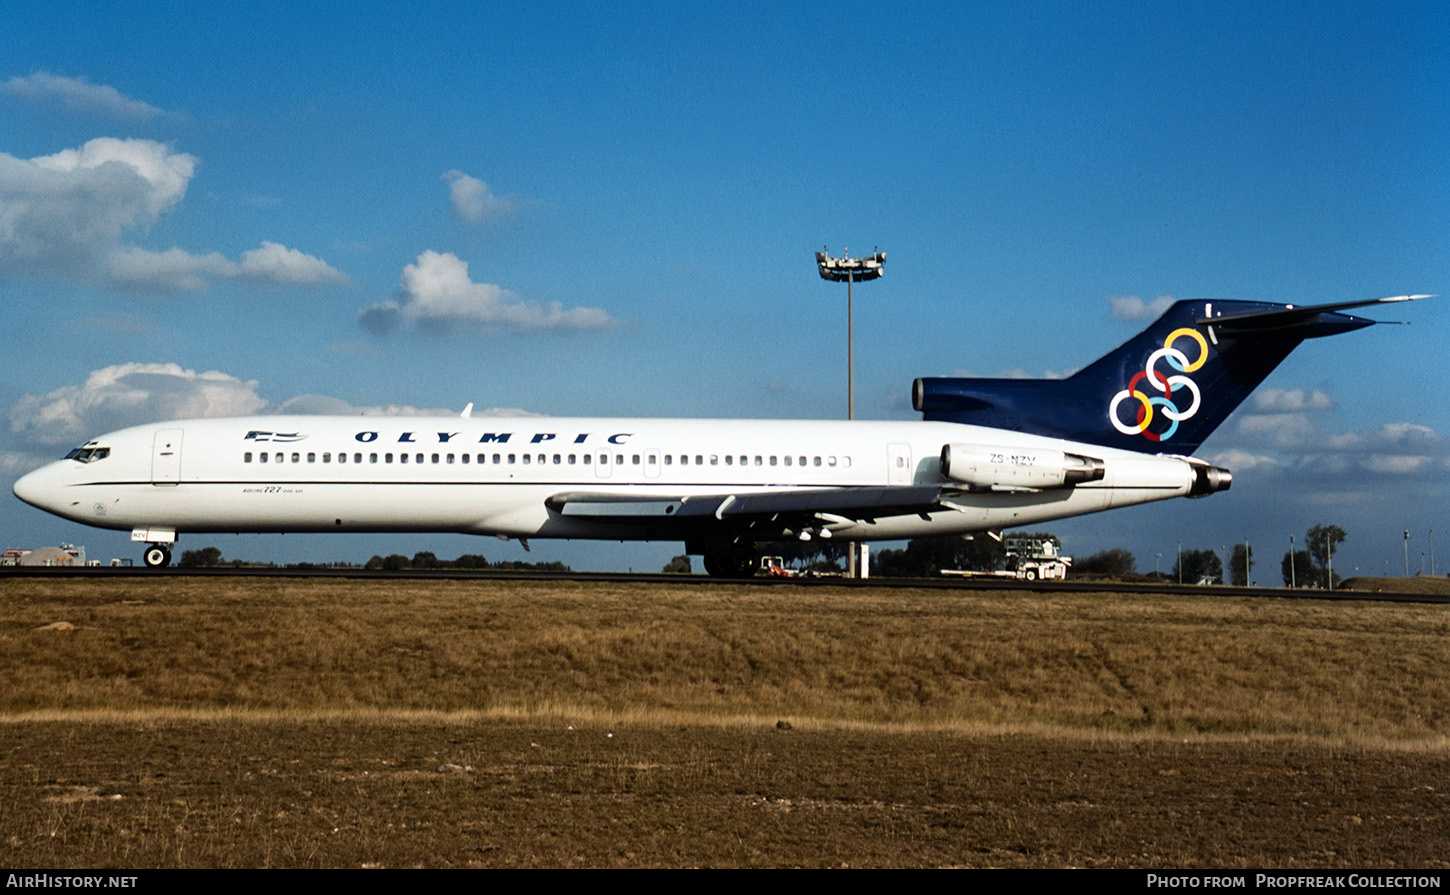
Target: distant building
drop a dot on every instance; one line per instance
(64, 555)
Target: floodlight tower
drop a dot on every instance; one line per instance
(850, 269)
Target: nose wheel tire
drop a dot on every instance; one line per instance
(156, 557)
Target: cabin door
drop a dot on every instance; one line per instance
(166, 457)
(898, 459)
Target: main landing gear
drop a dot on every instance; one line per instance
(157, 556)
(733, 563)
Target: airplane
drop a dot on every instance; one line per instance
(988, 454)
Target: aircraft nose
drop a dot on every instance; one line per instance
(33, 487)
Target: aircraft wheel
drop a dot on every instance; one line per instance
(730, 564)
(156, 557)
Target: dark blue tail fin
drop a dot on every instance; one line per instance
(1163, 391)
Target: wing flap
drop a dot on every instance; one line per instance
(849, 503)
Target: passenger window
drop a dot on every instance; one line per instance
(372, 458)
(326, 456)
(311, 457)
(247, 457)
(514, 457)
(296, 457)
(618, 459)
(357, 457)
(772, 460)
(830, 461)
(729, 460)
(635, 460)
(435, 458)
(757, 460)
(818, 461)
(714, 459)
(496, 458)
(262, 457)
(787, 461)
(699, 458)
(557, 460)
(403, 457)
(527, 458)
(342, 458)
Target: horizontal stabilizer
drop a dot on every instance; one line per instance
(1291, 316)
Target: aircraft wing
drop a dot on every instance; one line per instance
(786, 508)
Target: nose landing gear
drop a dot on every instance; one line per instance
(157, 556)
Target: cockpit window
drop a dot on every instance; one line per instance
(88, 454)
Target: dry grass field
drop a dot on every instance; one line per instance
(328, 723)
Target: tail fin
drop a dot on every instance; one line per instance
(1163, 391)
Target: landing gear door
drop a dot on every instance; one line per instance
(166, 457)
(899, 471)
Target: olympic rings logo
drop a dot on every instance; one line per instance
(1167, 385)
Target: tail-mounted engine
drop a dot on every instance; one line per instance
(1209, 479)
(988, 466)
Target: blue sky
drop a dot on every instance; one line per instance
(611, 209)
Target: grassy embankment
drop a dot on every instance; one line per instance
(314, 723)
(1080, 664)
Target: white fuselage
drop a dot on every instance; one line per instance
(492, 475)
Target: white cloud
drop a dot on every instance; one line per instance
(438, 295)
(63, 217)
(130, 394)
(1131, 307)
(1390, 436)
(1398, 449)
(1290, 400)
(1011, 373)
(63, 211)
(1279, 429)
(472, 200)
(133, 394)
(78, 95)
(322, 405)
(1240, 461)
(1398, 464)
(173, 270)
(273, 263)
